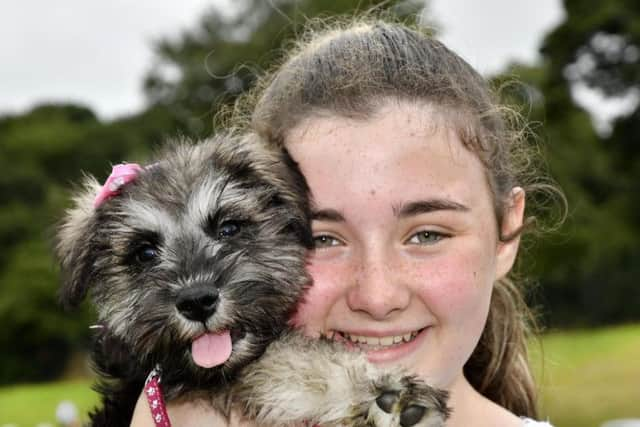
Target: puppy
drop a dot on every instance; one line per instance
(195, 267)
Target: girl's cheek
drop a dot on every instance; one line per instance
(318, 300)
(449, 289)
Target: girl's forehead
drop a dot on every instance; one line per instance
(421, 117)
(397, 154)
(391, 131)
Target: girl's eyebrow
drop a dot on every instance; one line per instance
(418, 207)
(330, 215)
(403, 210)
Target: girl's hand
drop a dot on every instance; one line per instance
(186, 414)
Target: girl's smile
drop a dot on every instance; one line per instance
(383, 348)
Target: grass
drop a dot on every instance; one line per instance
(587, 377)
(31, 405)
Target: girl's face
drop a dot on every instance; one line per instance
(407, 241)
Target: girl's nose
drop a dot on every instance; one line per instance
(378, 288)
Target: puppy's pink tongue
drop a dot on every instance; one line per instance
(211, 350)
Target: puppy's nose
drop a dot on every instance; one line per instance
(197, 303)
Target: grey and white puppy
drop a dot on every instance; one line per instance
(196, 266)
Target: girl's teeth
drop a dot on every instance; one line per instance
(386, 341)
(380, 341)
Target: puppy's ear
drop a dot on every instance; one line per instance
(74, 244)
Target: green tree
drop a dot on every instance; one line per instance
(589, 271)
(42, 153)
(37, 334)
(211, 64)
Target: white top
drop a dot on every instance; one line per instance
(528, 422)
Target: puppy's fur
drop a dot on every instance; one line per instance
(226, 220)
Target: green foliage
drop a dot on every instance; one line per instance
(588, 270)
(41, 154)
(31, 314)
(213, 63)
(605, 36)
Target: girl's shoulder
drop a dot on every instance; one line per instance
(528, 422)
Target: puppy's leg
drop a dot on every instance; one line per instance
(299, 379)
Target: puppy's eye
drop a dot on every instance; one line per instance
(229, 229)
(146, 253)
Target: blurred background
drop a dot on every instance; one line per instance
(84, 85)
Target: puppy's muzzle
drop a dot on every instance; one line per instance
(197, 303)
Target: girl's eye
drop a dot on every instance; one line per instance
(324, 241)
(426, 237)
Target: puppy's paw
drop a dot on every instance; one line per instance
(408, 402)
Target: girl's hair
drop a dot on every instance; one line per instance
(350, 70)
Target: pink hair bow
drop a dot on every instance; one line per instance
(120, 175)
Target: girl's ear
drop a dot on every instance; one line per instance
(75, 243)
(512, 222)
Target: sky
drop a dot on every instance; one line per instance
(97, 52)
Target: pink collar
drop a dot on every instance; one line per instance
(155, 398)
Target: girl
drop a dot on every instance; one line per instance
(418, 183)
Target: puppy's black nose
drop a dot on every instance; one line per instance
(197, 303)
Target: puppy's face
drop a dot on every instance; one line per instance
(198, 263)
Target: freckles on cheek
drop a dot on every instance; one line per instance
(318, 299)
(449, 297)
(453, 291)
